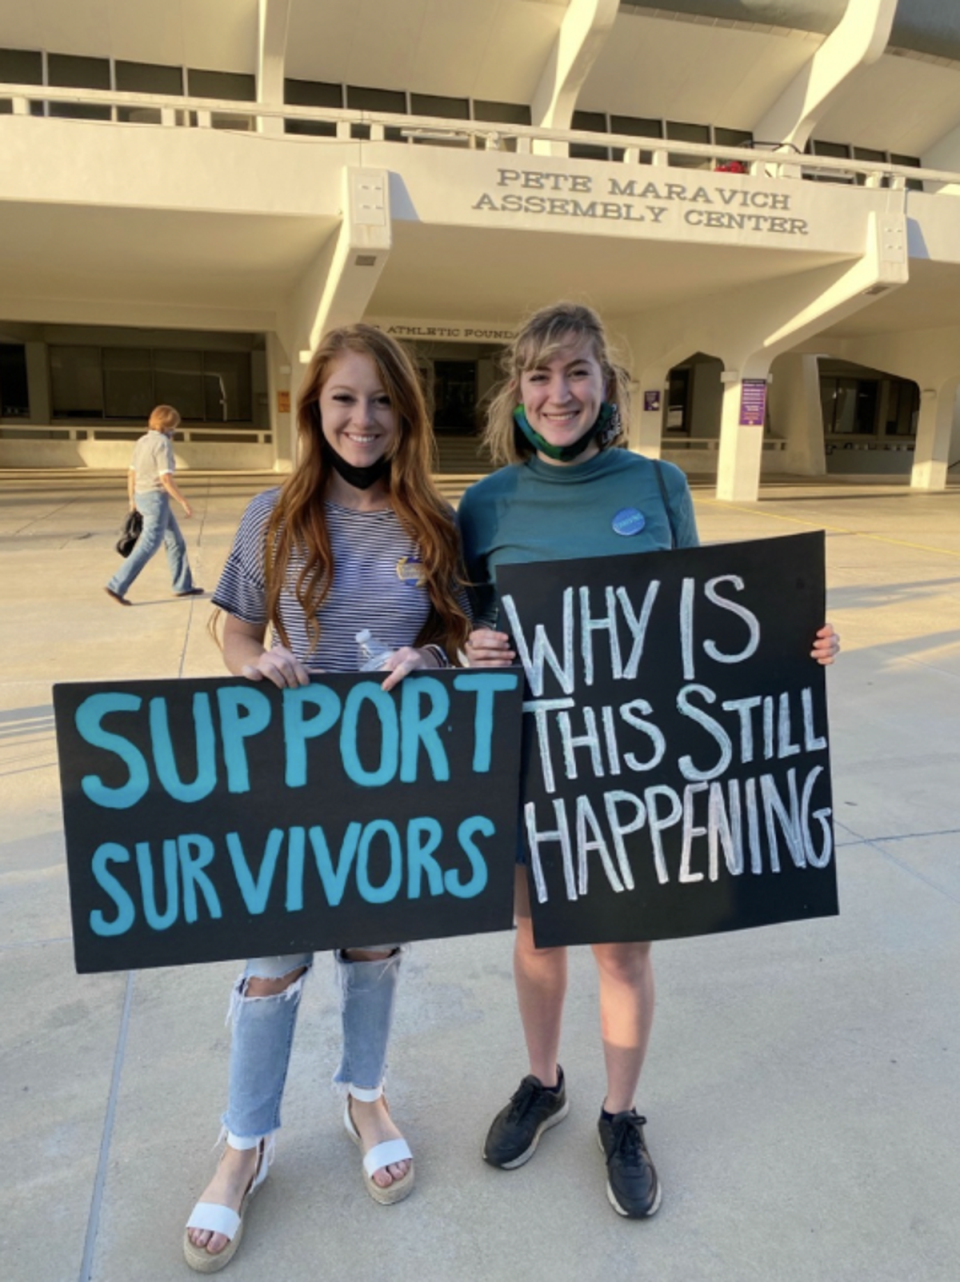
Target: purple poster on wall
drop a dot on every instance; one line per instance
(651, 399)
(753, 402)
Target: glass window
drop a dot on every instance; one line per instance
(127, 382)
(148, 77)
(596, 123)
(227, 387)
(845, 408)
(426, 104)
(849, 405)
(732, 137)
(502, 113)
(869, 153)
(69, 72)
(14, 391)
(21, 67)
(636, 126)
(178, 381)
(312, 93)
(903, 408)
(361, 99)
(231, 86)
(78, 73)
(913, 184)
(76, 382)
(682, 131)
(840, 150)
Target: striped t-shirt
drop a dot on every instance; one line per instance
(374, 584)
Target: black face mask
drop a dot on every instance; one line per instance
(361, 478)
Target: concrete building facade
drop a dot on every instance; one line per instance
(762, 197)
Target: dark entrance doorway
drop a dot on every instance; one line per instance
(455, 395)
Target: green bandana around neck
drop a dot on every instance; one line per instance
(607, 419)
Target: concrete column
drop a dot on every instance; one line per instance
(796, 414)
(857, 41)
(954, 463)
(38, 382)
(741, 446)
(934, 433)
(583, 32)
(645, 429)
(282, 402)
(361, 251)
(274, 16)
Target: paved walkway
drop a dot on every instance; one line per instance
(803, 1085)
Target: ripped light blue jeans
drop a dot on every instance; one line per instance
(263, 1029)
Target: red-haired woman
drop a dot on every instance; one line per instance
(357, 534)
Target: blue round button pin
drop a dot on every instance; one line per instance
(629, 520)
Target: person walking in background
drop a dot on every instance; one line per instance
(150, 487)
(556, 423)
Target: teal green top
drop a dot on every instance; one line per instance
(536, 511)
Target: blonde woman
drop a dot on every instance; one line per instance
(555, 426)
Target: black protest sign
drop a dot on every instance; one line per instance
(217, 818)
(676, 763)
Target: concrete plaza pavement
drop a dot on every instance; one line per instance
(803, 1082)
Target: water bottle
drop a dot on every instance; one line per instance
(371, 653)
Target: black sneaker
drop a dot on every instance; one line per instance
(515, 1132)
(632, 1184)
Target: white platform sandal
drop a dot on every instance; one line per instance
(381, 1155)
(214, 1218)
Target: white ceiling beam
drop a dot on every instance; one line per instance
(583, 33)
(857, 41)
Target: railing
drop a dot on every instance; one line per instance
(197, 433)
(712, 443)
(259, 119)
(836, 443)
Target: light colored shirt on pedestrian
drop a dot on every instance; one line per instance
(152, 459)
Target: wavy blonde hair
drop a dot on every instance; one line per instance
(545, 334)
(298, 521)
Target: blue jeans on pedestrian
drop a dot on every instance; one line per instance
(159, 526)
(263, 1029)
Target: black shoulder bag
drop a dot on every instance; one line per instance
(129, 533)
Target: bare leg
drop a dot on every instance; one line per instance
(541, 979)
(626, 1016)
(237, 1167)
